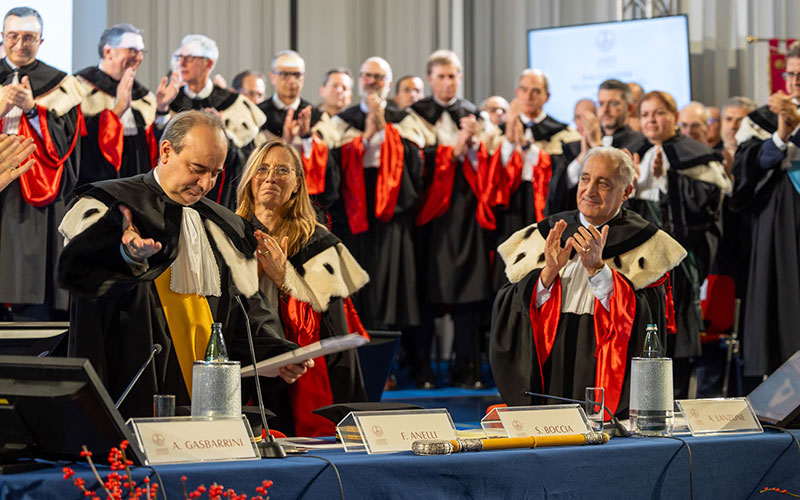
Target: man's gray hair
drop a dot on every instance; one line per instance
(283, 53)
(25, 12)
(113, 35)
(738, 101)
(180, 125)
(621, 160)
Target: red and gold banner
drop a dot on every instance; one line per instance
(777, 63)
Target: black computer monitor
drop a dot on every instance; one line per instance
(50, 407)
(777, 400)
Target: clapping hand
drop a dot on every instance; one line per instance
(13, 151)
(272, 257)
(555, 256)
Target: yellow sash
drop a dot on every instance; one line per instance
(189, 322)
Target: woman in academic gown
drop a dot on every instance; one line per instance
(308, 274)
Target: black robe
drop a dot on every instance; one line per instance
(453, 248)
(116, 317)
(772, 305)
(638, 254)
(276, 117)
(30, 244)
(385, 249)
(136, 156)
(690, 212)
(224, 191)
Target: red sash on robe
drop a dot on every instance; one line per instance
(111, 137)
(315, 166)
(669, 303)
(485, 181)
(152, 145)
(40, 184)
(301, 325)
(540, 182)
(612, 330)
(354, 191)
(390, 174)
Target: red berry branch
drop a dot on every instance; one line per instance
(119, 483)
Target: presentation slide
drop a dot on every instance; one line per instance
(576, 59)
(56, 50)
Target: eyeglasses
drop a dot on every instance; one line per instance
(28, 40)
(285, 75)
(134, 52)
(188, 59)
(790, 75)
(692, 126)
(376, 76)
(278, 171)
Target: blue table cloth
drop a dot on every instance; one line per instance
(631, 468)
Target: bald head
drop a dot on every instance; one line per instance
(375, 77)
(693, 121)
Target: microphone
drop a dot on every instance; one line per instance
(619, 430)
(156, 349)
(267, 447)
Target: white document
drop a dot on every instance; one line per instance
(269, 367)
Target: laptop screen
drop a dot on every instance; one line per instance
(777, 400)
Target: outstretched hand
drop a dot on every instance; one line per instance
(136, 247)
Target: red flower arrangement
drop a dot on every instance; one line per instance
(119, 484)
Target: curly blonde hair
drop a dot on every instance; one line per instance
(297, 215)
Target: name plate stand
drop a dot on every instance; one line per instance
(393, 431)
(526, 421)
(715, 416)
(173, 440)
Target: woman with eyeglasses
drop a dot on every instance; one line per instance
(680, 187)
(308, 275)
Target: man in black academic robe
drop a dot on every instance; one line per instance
(532, 154)
(293, 119)
(41, 103)
(194, 61)
(380, 179)
(582, 287)
(608, 128)
(767, 187)
(455, 214)
(150, 260)
(119, 111)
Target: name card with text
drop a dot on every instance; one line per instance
(392, 431)
(719, 416)
(524, 421)
(186, 439)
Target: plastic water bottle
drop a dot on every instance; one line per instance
(651, 405)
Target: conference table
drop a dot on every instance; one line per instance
(731, 467)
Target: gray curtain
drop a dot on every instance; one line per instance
(490, 36)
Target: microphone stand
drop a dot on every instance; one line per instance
(617, 429)
(267, 447)
(153, 351)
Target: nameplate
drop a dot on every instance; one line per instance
(187, 439)
(524, 421)
(393, 431)
(719, 416)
